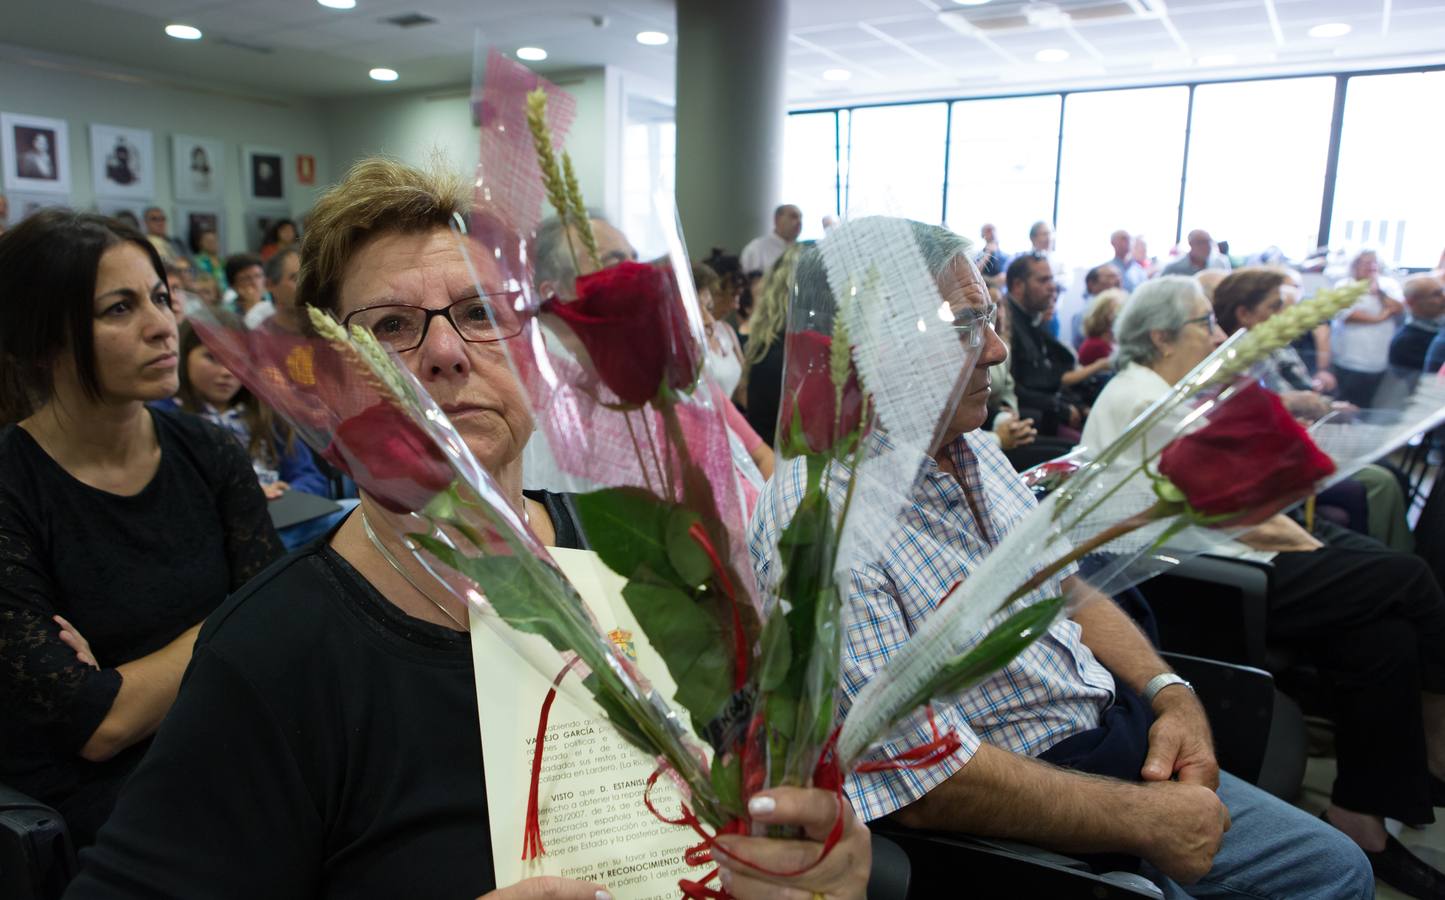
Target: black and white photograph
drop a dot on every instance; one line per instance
(122, 162)
(36, 153)
(265, 174)
(198, 167)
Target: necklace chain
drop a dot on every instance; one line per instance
(387, 555)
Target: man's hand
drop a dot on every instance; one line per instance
(1179, 742)
(1180, 828)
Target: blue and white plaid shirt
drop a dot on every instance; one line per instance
(1052, 690)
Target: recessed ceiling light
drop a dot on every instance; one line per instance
(652, 38)
(836, 75)
(338, 4)
(1051, 55)
(531, 54)
(383, 75)
(1216, 59)
(184, 32)
(970, 2)
(1329, 30)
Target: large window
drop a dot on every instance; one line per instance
(1256, 168)
(1390, 192)
(1002, 162)
(896, 161)
(810, 168)
(649, 160)
(1257, 153)
(1123, 154)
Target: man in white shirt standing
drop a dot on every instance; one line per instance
(761, 252)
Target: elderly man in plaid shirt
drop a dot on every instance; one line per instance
(1060, 748)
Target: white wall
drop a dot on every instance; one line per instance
(412, 126)
(82, 93)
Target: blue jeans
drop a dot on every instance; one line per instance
(1274, 851)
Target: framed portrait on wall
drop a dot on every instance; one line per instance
(198, 166)
(122, 162)
(36, 154)
(22, 205)
(192, 220)
(264, 171)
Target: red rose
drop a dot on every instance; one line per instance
(631, 320)
(1251, 458)
(808, 388)
(390, 457)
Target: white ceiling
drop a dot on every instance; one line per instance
(892, 48)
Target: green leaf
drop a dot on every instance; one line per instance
(776, 653)
(782, 713)
(513, 588)
(627, 527)
(688, 558)
(689, 642)
(1168, 491)
(998, 648)
(618, 715)
(727, 782)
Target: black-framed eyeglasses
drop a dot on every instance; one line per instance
(972, 324)
(477, 320)
(1209, 322)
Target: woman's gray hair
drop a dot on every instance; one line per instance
(1163, 304)
(938, 245)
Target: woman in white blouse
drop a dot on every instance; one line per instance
(1360, 338)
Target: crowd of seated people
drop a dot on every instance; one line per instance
(117, 420)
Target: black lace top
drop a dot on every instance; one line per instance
(131, 573)
(325, 744)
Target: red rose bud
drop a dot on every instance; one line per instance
(810, 395)
(390, 457)
(630, 319)
(1250, 459)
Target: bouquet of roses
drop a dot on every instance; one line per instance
(1215, 456)
(610, 358)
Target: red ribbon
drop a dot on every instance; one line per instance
(930, 754)
(740, 644)
(532, 830)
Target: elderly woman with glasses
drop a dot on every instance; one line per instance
(326, 742)
(1166, 329)
(1371, 620)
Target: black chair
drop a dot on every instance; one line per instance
(892, 874)
(37, 856)
(1217, 608)
(951, 865)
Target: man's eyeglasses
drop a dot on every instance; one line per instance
(1209, 322)
(403, 327)
(972, 324)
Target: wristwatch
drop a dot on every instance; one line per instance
(1160, 682)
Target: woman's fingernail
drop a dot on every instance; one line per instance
(603, 895)
(761, 806)
(726, 877)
